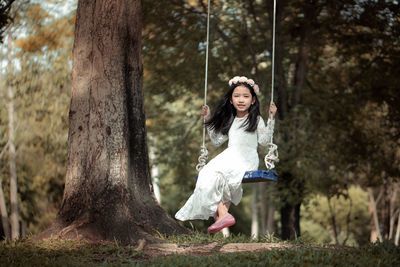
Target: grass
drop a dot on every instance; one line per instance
(199, 237)
(372, 255)
(66, 253)
(78, 253)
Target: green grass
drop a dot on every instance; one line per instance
(77, 253)
(66, 253)
(372, 255)
(199, 237)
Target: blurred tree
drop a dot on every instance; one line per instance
(12, 157)
(41, 76)
(349, 212)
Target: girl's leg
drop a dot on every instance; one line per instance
(224, 219)
(227, 205)
(223, 209)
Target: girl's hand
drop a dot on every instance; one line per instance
(272, 110)
(205, 112)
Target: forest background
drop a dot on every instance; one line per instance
(337, 92)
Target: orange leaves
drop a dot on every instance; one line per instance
(45, 33)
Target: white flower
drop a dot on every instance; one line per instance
(242, 79)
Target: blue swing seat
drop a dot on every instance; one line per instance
(259, 176)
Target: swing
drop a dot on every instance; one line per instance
(272, 156)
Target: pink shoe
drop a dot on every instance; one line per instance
(227, 221)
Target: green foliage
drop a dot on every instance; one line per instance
(350, 212)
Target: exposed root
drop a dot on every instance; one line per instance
(141, 244)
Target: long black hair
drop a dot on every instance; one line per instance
(223, 117)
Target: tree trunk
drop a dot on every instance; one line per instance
(254, 213)
(108, 192)
(154, 176)
(225, 232)
(397, 237)
(290, 221)
(393, 200)
(267, 211)
(374, 213)
(385, 209)
(12, 158)
(263, 204)
(333, 220)
(270, 222)
(4, 215)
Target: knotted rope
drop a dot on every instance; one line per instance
(203, 150)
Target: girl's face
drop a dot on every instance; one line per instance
(242, 100)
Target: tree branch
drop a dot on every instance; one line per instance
(4, 149)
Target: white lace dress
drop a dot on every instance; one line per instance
(221, 178)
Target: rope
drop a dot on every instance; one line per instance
(273, 54)
(272, 156)
(203, 150)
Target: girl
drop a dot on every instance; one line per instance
(219, 183)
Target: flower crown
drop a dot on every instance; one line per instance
(243, 79)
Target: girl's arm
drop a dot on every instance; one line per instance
(217, 139)
(265, 133)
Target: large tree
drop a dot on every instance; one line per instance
(108, 192)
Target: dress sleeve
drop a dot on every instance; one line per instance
(264, 133)
(217, 139)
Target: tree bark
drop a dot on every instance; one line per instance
(108, 192)
(12, 157)
(4, 214)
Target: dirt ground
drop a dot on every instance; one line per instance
(158, 250)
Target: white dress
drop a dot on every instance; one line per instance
(221, 178)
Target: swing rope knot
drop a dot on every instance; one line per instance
(272, 156)
(202, 158)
